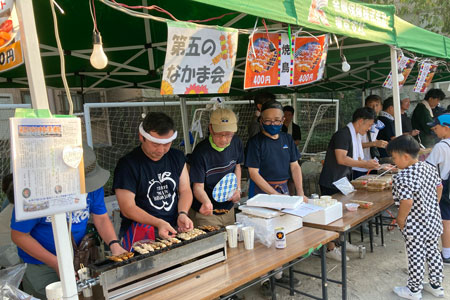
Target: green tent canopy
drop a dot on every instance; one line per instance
(136, 47)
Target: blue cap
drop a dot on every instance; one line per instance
(443, 120)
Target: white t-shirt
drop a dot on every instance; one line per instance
(440, 157)
(364, 139)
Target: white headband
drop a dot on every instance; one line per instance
(154, 139)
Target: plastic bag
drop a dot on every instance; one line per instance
(344, 186)
(8, 292)
(265, 235)
(13, 275)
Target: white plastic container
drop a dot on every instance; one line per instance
(276, 201)
(325, 216)
(54, 291)
(289, 222)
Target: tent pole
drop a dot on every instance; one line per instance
(396, 93)
(185, 123)
(39, 99)
(294, 105)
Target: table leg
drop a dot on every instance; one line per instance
(361, 228)
(291, 281)
(323, 265)
(371, 235)
(272, 286)
(382, 231)
(344, 266)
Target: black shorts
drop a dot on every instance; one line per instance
(445, 210)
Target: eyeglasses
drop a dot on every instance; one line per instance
(223, 135)
(272, 122)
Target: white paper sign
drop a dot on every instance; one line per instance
(44, 184)
(199, 59)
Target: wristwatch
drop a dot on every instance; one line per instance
(182, 213)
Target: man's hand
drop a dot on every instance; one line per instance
(116, 249)
(184, 223)
(165, 230)
(372, 164)
(380, 143)
(206, 208)
(236, 197)
(415, 132)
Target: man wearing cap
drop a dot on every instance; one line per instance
(423, 114)
(213, 158)
(405, 103)
(34, 238)
(152, 184)
(440, 157)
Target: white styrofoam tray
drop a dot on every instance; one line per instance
(325, 216)
(275, 201)
(260, 211)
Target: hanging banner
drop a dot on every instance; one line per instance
(47, 166)
(310, 55)
(272, 60)
(262, 68)
(426, 74)
(405, 64)
(199, 59)
(10, 47)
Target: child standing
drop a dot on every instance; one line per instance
(417, 189)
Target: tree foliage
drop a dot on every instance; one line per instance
(433, 15)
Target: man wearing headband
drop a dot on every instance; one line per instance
(152, 184)
(213, 158)
(271, 154)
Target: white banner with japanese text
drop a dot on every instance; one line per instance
(426, 74)
(199, 59)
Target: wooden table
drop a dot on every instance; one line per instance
(244, 266)
(381, 201)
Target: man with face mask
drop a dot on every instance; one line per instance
(218, 155)
(272, 153)
(152, 184)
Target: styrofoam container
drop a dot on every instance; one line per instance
(260, 211)
(325, 216)
(289, 222)
(275, 201)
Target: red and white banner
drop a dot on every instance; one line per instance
(405, 64)
(426, 74)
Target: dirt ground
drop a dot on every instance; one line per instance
(370, 278)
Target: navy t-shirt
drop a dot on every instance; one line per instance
(332, 171)
(272, 157)
(154, 183)
(386, 133)
(209, 166)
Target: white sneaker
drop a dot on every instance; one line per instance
(438, 292)
(351, 247)
(405, 292)
(335, 254)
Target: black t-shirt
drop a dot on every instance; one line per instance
(406, 123)
(332, 171)
(272, 157)
(154, 183)
(386, 133)
(296, 133)
(209, 166)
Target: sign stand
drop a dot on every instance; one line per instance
(39, 99)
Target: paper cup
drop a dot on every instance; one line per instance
(249, 237)
(232, 234)
(325, 198)
(54, 291)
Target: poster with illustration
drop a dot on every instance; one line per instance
(426, 74)
(10, 47)
(262, 64)
(405, 65)
(310, 55)
(199, 59)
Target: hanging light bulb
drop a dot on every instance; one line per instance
(345, 65)
(98, 57)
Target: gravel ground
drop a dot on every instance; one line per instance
(370, 278)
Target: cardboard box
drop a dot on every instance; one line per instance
(325, 216)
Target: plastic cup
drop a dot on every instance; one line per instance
(232, 234)
(54, 291)
(325, 198)
(83, 273)
(249, 237)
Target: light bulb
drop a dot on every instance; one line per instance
(345, 65)
(98, 57)
(400, 77)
